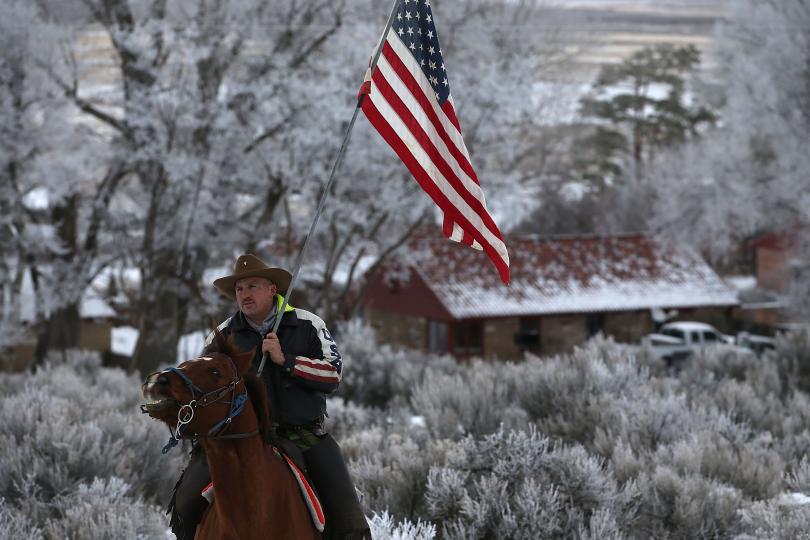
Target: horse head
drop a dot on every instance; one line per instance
(202, 397)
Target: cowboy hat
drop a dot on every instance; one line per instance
(249, 265)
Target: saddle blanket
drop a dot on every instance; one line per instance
(313, 504)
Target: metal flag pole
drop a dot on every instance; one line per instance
(329, 182)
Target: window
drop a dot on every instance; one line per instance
(673, 332)
(467, 337)
(710, 337)
(528, 335)
(594, 323)
(437, 337)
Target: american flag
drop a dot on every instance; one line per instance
(408, 101)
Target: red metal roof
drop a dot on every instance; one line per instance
(570, 275)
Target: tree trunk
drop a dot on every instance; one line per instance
(60, 332)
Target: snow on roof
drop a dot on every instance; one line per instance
(124, 339)
(91, 306)
(742, 283)
(94, 307)
(571, 275)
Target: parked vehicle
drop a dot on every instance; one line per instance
(758, 344)
(678, 340)
(696, 333)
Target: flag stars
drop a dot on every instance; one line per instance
(431, 50)
(408, 15)
(412, 46)
(429, 18)
(401, 32)
(445, 83)
(430, 34)
(410, 31)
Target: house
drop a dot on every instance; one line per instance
(778, 256)
(96, 320)
(563, 291)
(774, 253)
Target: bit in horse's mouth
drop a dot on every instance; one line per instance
(159, 405)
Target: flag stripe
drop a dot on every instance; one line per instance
(443, 170)
(449, 109)
(417, 86)
(460, 199)
(406, 97)
(498, 255)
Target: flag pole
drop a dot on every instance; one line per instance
(331, 179)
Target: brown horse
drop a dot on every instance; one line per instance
(256, 497)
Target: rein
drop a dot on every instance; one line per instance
(186, 412)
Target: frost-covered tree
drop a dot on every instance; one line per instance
(50, 213)
(641, 106)
(750, 174)
(208, 128)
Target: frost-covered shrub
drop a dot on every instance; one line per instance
(685, 506)
(798, 480)
(383, 527)
(792, 356)
(380, 375)
(346, 417)
(776, 519)
(103, 510)
(14, 524)
(73, 423)
(517, 484)
(476, 401)
(390, 468)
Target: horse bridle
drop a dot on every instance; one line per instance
(186, 412)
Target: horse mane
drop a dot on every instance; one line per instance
(256, 389)
(258, 397)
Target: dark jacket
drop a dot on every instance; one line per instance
(313, 364)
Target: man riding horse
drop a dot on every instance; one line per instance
(304, 366)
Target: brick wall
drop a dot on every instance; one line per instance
(627, 326)
(396, 329)
(95, 336)
(499, 338)
(773, 268)
(560, 333)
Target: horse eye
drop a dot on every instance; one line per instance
(215, 372)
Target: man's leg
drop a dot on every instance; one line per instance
(344, 514)
(187, 504)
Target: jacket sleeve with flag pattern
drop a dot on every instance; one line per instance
(320, 369)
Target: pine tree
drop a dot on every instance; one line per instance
(639, 106)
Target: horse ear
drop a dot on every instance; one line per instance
(218, 342)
